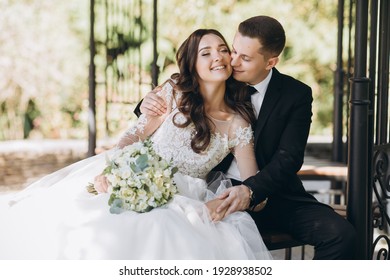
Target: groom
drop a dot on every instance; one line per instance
(283, 108)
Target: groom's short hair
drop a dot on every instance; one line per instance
(268, 31)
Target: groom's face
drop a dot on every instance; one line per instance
(249, 65)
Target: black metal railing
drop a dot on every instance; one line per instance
(381, 187)
(380, 125)
(369, 148)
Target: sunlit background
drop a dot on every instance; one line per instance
(44, 57)
(45, 62)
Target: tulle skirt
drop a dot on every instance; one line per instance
(56, 218)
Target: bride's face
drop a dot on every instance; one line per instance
(213, 59)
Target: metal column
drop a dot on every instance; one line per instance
(92, 84)
(338, 148)
(358, 203)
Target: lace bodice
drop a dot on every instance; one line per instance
(174, 143)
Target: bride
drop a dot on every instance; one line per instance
(208, 117)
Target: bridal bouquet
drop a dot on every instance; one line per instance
(139, 179)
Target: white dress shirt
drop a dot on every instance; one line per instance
(257, 100)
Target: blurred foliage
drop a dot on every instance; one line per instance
(43, 61)
(44, 55)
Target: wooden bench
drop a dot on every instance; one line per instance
(276, 240)
(316, 170)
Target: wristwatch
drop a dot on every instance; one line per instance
(255, 207)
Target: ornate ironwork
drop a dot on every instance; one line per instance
(382, 253)
(379, 95)
(121, 30)
(369, 147)
(381, 188)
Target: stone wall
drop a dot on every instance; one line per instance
(22, 162)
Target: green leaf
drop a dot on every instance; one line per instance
(111, 199)
(107, 170)
(134, 167)
(142, 162)
(116, 207)
(174, 170)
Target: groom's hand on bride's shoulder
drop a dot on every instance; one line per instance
(234, 199)
(152, 104)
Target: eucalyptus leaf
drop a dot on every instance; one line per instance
(115, 210)
(134, 167)
(142, 162)
(116, 207)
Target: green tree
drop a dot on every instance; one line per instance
(42, 60)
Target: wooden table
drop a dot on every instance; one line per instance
(321, 169)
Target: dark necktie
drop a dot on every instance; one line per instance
(251, 90)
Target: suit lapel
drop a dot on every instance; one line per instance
(271, 97)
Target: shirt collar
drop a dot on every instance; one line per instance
(262, 86)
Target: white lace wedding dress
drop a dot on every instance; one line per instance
(56, 218)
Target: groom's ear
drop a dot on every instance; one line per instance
(272, 62)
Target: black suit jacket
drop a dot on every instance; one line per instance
(281, 133)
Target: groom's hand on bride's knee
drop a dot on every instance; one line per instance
(234, 199)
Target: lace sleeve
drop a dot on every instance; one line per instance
(241, 143)
(146, 125)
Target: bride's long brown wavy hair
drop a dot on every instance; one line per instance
(192, 103)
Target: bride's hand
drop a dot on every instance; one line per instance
(101, 184)
(212, 206)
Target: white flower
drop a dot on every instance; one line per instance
(125, 172)
(143, 150)
(167, 173)
(138, 185)
(122, 183)
(112, 179)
